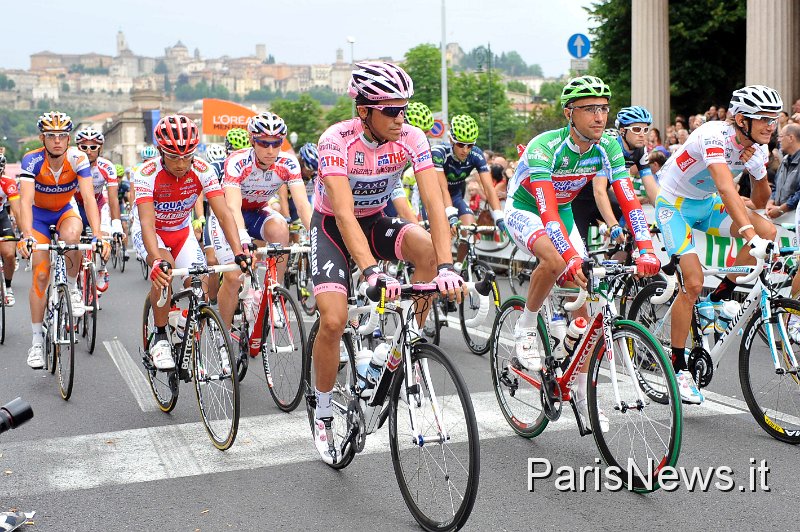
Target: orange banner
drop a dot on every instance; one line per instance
(221, 115)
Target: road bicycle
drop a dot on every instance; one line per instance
(298, 271)
(268, 323)
(118, 253)
(59, 324)
(3, 295)
(203, 354)
(764, 329)
(87, 285)
(629, 381)
(433, 433)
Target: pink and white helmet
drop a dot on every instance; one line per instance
(378, 80)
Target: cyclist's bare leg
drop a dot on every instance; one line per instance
(228, 295)
(764, 228)
(466, 219)
(40, 264)
(332, 308)
(276, 230)
(70, 232)
(213, 280)
(681, 316)
(546, 273)
(161, 314)
(8, 252)
(417, 248)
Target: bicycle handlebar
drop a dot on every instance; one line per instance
(669, 270)
(373, 293)
(279, 250)
(68, 247)
(750, 277)
(14, 414)
(199, 269)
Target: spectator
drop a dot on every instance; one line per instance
(680, 139)
(672, 142)
(654, 142)
(474, 197)
(499, 179)
(656, 160)
(680, 122)
(783, 119)
(722, 113)
(796, 107)
(786, 195)
(711, 114)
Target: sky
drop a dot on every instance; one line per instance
(295, 31)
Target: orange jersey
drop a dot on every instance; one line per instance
(54, 190)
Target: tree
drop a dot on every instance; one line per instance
(6, 84)
(30, 145)
(423, 63)
(303, 116)
(260, 95)
(695, 82)
(65, 87)
(161, 67)
(483, 97)
(517, 86)
(550, 91)
(343, 110)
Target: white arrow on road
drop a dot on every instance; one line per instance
(578, 43)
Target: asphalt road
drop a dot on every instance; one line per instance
(108, 460)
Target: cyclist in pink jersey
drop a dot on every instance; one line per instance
(167, 188)
(361, 161)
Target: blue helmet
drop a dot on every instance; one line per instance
(632, 115)
(309, 155)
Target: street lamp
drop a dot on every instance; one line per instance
(352, 41)
(293, 138)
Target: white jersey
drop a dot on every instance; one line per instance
(686, 175)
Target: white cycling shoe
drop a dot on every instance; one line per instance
(161, 353)
(323, 437)
(527, 349)
(36, 356)
(76, 299)
(690, 393)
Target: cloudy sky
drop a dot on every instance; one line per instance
(295, 31)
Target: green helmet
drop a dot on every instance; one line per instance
(463, 128)
(584, 87)
(237, 138)
(418, 114)
(119, 169)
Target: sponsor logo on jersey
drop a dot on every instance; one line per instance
(556, 235)
(314, 268)
(361, 188)
(553, 143)
(715, 152)
(540, 201)
(327, 146)
(200, 165)
(55, 189)
(571, 184)
(360, 171)
(539, 155)
(639, 225)
(625, 184)
(518, 221)
(35, 160)
(359, 158)
(149, 169)
(331, 160)
(344, 134)
(391, 158)
(424, 156)
(664, 215)
(685, 160)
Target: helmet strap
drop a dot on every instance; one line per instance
(368, 129)
(581, 136)
(745, 130)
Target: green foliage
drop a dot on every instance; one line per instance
(83, 69)
(185, 92)
(30, 145)
(6, 84)
(260, 95)
(550, 91)
(510, 63)
(424, 64)
(517, 86)
(161, 67)
(303, 116)
(65, 87)
(343, 110)
(696, 29)
(483, 97)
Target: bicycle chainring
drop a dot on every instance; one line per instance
(701, 367)
(552, 400)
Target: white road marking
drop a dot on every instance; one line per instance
(132, 375)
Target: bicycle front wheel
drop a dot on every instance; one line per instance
(64, 340)
(644, 435)
(432, 327)
(163, 384)
(305, 289)
(772, 395)
(437, 459)
(519, 400)
(476, 314)
(89, 318)
(283, 343)
(215, 380)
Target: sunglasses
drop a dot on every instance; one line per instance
(463, 144)
(171, 157)
(638, 129)
(768, 120)
(56, 136)
(89, 147)
(268, 143)
(593, 109)
(391, 111)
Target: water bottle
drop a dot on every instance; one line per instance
(558, 331)
(173, 318)
(730, 309)
(180, 329)
(251, 302)
(379, 357)
(574, 333)
(363, 358)
(705, 310)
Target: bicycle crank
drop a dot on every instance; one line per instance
(552, 400)
(701, 367)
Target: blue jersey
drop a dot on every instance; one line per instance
(455, 171)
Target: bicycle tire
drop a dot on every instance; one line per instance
(658, 450)
(515, 395)
(520, 271)
(341, 393)
(2, 313)
(283, 371)
(144, 268)
(163, 384)
(473, 336)
(65, 338)
(305, 294)
(90, 304)
(210, 377)
(114, 246)
(432, 327)
(445, 511)
(122, 256)
(49, 342)
(754, 380)
(653, 317)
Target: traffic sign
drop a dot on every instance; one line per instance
(437, 130)
(578, 45)
(579, 65)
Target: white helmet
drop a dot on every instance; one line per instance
(89, 134)
(267, 124)
(215, 152)
(755, 99)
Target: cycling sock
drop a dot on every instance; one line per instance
(73, 283)
(38, 334)
(679, 358)
(8, 283)
(723, 291)
(529, 319)
(580, 388)
(324, 400)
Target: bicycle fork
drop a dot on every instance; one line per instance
(769, 320)
(608, 338)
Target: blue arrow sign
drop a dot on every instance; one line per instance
(578, 45)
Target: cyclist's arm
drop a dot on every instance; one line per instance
(86, 188)
(600, 189)
(147, 221)
(723, 179)
(233, 201)
(199, 208)
(443, 190)
(298, 192)
(283, 201)
(337, 188)
(404, 210)
(489, 191)
(227, 221)
(25, 218)
(759, 192)
(545, 196)
(113, 202)
(434, 204)
(15, 207)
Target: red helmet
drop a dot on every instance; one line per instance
(177, 135)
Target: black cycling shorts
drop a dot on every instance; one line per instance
(6, 227)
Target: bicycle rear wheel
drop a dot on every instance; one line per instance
(343, 396)
(520, 269)
(438, 465)
(644, 432)
(88, 321)
(64, 340)
(123, 257)
(432, 327)
(163, 384)
(474, 316)
(773, 396)
(114, 246)
(305, 289)
(283, 344)
(519, 400)
(215, 380)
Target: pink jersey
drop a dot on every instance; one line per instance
(103, 174)
(257, 185)
(373, 170)
(173, 199)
